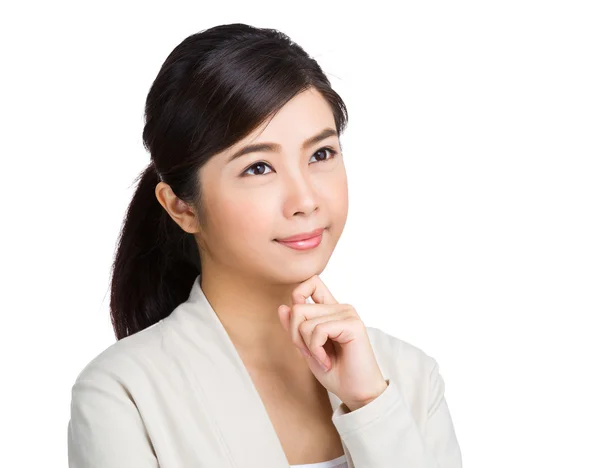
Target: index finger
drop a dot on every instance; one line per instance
(314, 288)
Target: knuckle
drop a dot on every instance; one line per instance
(304, 327)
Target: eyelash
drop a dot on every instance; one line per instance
(331, 151)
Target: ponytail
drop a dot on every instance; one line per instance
(156, 262)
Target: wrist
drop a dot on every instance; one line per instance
(353, 406)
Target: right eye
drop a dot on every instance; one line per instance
(260, 165)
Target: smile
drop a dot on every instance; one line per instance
(304, 244)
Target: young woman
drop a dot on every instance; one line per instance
(231, 350)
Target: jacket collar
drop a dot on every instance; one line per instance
(229, 394)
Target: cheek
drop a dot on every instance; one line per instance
(336, 193)
(247, 219)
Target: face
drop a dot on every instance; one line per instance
(258, 197)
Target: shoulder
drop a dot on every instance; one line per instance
(125, 359)
(106, 427)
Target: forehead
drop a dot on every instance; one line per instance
(302, 117)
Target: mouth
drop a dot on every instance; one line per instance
(308, 240)
(303, 236)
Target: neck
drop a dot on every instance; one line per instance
(247, 309)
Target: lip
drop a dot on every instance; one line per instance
(303, 236)
(305, 244)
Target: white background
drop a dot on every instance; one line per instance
(474, 228)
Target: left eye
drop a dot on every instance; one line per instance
(326, 149)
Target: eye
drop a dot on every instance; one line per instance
(326, 149)
(262, 165)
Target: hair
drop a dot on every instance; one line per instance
(213, 89)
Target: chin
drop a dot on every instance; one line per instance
(298, 272)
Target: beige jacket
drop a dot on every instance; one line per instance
(177, 395)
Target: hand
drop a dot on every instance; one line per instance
(335, 343)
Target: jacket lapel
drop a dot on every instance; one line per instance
(238, 413)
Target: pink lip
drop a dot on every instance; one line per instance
(304, 244)
(304, 236)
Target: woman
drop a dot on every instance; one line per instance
(220, 360)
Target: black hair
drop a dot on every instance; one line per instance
(213, 89)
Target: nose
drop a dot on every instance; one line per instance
(300, 195)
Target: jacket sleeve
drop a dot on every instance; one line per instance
(105, 429)
(384, 434)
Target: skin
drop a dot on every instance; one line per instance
(246, 274)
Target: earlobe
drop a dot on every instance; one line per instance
(188, 223)
(193, 225)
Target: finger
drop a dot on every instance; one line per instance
(300, 313)
(340, 331)
(284, 316)
(314, 288)
(306, 328)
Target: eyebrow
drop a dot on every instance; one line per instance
(273, 147)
